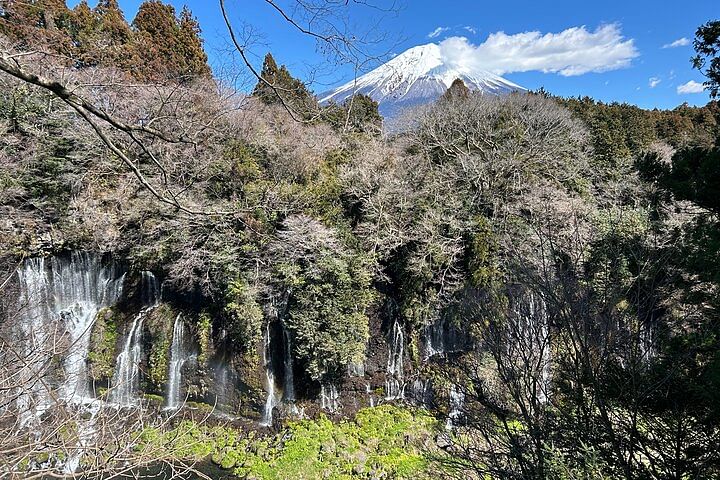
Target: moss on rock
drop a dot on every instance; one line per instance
(204, 332)
(159, 327)
(103, 342)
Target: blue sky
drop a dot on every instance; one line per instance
(611, 50)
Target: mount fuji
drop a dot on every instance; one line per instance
(415, 77)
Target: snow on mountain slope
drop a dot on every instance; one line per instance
(415, 77)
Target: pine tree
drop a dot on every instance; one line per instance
(112, 22)
(707, 60)
(191, 44)
(278, 86)
(269, 75)
(167, 46)
(40, 24)
(101, 35)
(457, 91)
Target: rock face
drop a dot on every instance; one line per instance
(130, 343)
(417, 76)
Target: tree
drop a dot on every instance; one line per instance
(268, 79)
(277, 86)
(191, 45)
(101, 36)
(457, 90)
(325, 290)
(39, 24)
(707, 47)
(358, 114)
(168, 47)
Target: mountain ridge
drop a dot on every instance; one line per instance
(417, 76)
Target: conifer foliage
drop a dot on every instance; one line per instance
(277, 86)
(159, 44)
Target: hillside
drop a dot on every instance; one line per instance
(199, 282)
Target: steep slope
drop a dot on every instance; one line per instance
(417, 76)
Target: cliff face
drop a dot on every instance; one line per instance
(132, 341)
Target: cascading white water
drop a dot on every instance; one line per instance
(356, 369)
(368, 390)
(126, 380)
(457, 400)
(329, 398)
(394, 384)
(150, 289)
(532, 321)
(179, 354)
(59, 301)
(272, 398)
(434, 340)
(289, 381)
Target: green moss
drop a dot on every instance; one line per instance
(159, 361)
(204, 325)
(244, 314)
(390, 441)
(483, 267)
(155, 400)
(159, 327)
(103, 340)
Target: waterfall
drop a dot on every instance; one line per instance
(272, 400)
(394, 386)
(422, 392)
(532, 324)
(443, 336)
(179, 354)
(150, 289)
(457, 400)
(434, 340)
(356, 369)
(546, 361)
(329, 398)
(126, 379)
(59, 301)
(289, 381)
(368, 390)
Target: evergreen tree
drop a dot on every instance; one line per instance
(113, 25)
(457, 91)
(191, 45)
(356, 114)
(707, 46)
(269, 74)
(168, 47)
(278, 86)
(39, 24)
(101, 35)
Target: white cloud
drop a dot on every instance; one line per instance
(574, 51)
(691, 87)
(437, 32)
(470, 29)
(654, 82)
(680, 42)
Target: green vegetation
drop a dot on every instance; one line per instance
(384, 442)
(328, 290)
(159, 328)
(159, 45)
(204, 326)
(277, 87)
(103, 343)
(244, 315)
(564, 254)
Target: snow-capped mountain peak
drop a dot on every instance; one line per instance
(418, 75)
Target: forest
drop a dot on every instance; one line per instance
(200, 282)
